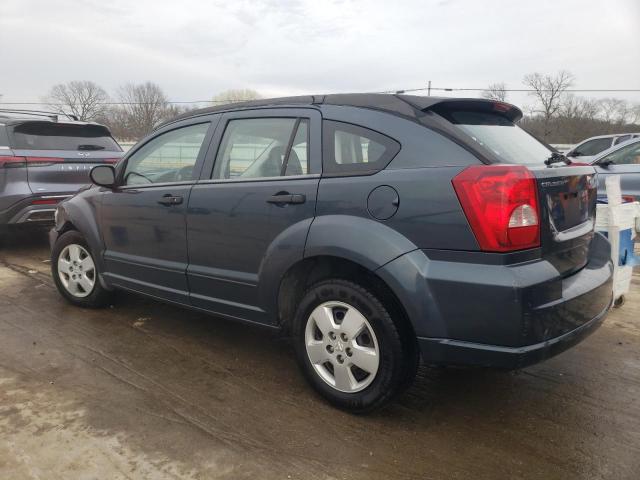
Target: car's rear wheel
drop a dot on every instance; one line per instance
(75, 272)
(349, 347)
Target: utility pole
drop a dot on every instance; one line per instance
(429, 89)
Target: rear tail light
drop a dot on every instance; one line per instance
(13, 162)
(43, 161)
(501, 206)
(110, 160)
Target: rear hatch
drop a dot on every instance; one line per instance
(59, 155)
(567, 198)
(566, 194)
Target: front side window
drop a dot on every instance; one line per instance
(351, 149)
(263, 148)
(592, 147)
(170, 157)
(629, 155)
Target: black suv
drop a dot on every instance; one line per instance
(45, 158)
(375, 229)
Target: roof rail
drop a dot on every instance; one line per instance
(40, 113)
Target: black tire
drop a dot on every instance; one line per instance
(618, 302)
(98, 297)
(397, 356)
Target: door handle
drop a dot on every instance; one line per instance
(169, 200)
(285, 197)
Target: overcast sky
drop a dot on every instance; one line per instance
(195, 49)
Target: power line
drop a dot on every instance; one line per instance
(572, 90)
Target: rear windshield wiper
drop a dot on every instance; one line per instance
(90, 147)
(557, 157)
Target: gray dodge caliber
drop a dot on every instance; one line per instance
(376, 230)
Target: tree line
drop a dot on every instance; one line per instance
(559, 116)
(555, 115)
(132, 112)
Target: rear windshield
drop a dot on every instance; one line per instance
(56, 136)
(507, 141)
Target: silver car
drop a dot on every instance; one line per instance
(587, 150)
(43, 160)
(624, 160)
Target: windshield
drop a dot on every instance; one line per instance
(506, 140)
(627, 155)
(56, 136)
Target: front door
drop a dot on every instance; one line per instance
(624, 162)
(257, 200)
(143, 221)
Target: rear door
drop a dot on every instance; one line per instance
(256, 200)
(624, 162)
(143, 220)
(60, 155)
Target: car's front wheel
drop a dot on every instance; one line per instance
(75, 272)
(349, 347)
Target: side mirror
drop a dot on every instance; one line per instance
(605, 163)
(103, 175)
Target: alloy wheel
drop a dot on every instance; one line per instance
(342, 347)
(76, 270)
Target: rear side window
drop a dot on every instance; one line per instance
(621, 139)
(57, 136)
(506, 140)
(351, 150)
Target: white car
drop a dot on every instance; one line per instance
(586, 151)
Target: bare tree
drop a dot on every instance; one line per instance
(143, 107)
(496, 91)
(548, 91)
(634, 114)
(82, 98)
(236, 95)
(614, 110)
(574, 107)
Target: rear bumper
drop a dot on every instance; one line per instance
(453, 352)
(26, 211)
(466, 312)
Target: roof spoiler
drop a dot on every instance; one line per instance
(504, 109)
(41, 113)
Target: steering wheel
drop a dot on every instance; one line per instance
(185, 173)
(126, 178)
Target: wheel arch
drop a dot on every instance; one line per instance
(81, 215)
(311, 270)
